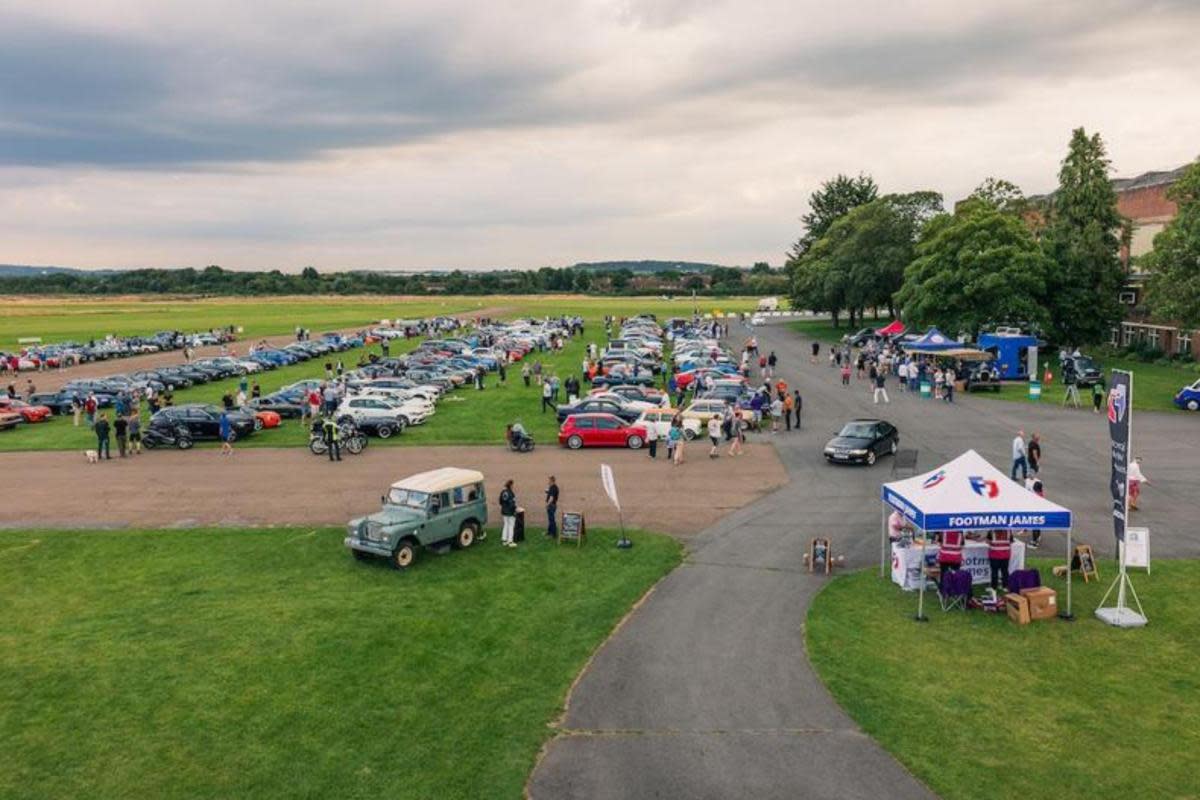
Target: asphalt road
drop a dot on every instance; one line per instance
(706, 691)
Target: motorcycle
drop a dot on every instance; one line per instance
(167, 437)
(351, 439)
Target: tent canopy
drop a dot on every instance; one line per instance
(933, 341)
(967, 494)
(894, 328)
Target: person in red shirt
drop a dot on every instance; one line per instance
(999, 552)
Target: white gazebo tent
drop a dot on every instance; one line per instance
(969, 494)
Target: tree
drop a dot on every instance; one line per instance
(978, 267)
(1001, 195)
(832, 200)
(1083, 238)
(1173, 291)
(760, 268)
(309, 274)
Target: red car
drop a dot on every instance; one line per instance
(266, 419)
(600, 430)
(28, 413)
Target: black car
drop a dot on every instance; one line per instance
(286, 406)
(1081, 371)
(859, 339)
(861, 441)
(590, 405)
(202, 421)
(60, 402)
(983, 376)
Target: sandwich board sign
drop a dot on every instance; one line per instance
(1137, 548)
(573, 527)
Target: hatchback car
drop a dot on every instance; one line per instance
(442, 508)
(861, 441)
(600, 430)
(1188, 398)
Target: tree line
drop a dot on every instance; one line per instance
(1051, 266)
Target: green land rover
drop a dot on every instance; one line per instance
(439, 509)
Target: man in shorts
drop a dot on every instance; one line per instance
(714, 434)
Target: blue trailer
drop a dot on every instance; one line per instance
(1015, 354)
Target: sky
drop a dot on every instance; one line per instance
(434, 134)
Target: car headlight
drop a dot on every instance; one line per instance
(858, 452)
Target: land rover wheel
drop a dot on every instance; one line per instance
(870, 458)
(466, 535)
(403, 555)
(634, 442)
(575, 441)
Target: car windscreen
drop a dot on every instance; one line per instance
(408, 498)
(858, 430)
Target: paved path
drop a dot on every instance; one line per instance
(290, 486)
(706, 690)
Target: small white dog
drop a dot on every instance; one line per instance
(92, 456)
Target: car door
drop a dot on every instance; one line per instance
(608, 431)
(440, 525)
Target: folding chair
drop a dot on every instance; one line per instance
(955, 589)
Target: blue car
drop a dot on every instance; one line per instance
(1188, 397)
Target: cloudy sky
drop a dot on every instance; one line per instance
(436, 133)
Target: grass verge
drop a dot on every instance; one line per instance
(978, 707)
(267, 662)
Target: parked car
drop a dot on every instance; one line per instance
(10, 419)
(440, 509)
(594, 405)
(266, 419)
(288, 406)
(983, 375)
(1188, 398)
(660, 420)
(1082, 369)
(203, 421)
(28, 412)
(600, 430)
(378, 415)
(862, 441)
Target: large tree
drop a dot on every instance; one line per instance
(1174, 263)
(1083, 239)
(834, 199)
(977, 267)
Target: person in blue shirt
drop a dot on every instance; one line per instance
(226, 434)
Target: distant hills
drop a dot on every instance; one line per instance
(20, 271)
(646, 267)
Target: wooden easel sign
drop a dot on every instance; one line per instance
(1085, 562)
(573, 527)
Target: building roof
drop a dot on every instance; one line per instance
(1148, 179)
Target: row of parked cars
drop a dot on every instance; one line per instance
(619, 411)
(61, 354)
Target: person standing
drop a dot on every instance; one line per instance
(1097, 397)
(776, 413)
(672, 441)
(89, 407)
(76, 409)
(503, 373)
(789, 405)
(525, 373)
(121, 429)
(772, 360)
(881, 388)
(102, 433)
(552, 509)
(1018, 457)
(845, 373)
(135, 434)
(226, 431)
(714, 434)
(508, 514)
(652, 438)
(1136, 479)
(816, 351)
(799, 404)
(331, 435)
(1033, 453)
(739, 436)
(547, 395)
(999, 552)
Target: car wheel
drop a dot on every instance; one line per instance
(689, 434)
(402, 557)
(870, 458)
(258, 423)
(574, 442)
(634, 442)
(466, 535)
(1193, 405)
(232, 436)
(384, 431)
(184, 443)
(895, 446)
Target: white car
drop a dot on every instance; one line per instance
(637, 405)
(414, 411)
(660, 420)
(373, 412)
(250, 366)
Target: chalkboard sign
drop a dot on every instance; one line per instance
(573, 527)
(1085, 562)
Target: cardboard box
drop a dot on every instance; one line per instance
(1017, 608)
(1043, 602)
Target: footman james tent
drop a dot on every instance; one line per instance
(969, 494)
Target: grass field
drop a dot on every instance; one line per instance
(1154, 384)
(269, 663)
(978, 707)
(81, 318)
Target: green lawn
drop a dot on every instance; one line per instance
(1154, 385)
(268, 663)
(978, 707)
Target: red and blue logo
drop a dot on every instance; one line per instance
(934, 479)
(1117, 403)
(984, 487)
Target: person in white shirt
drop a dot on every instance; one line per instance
(714, 434)
(1018, 457)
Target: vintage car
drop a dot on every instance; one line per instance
(10, 419)
(660, 419)
(704, 409)
(1188, 398)
(600, 430)
(862, 441)
(439, 509)
(28, 412)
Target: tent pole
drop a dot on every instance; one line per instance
(921, 595)
(1068, 616)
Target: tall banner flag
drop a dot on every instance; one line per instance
(1120, 414)
(610, 486)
